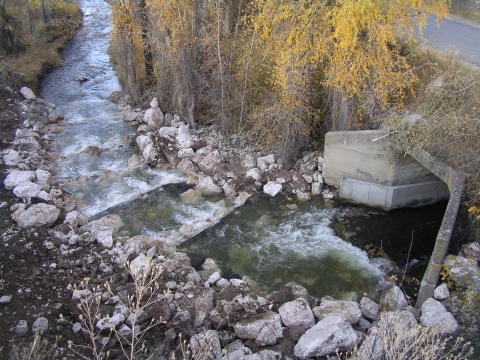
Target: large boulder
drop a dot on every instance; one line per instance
(104, 229)
(326, 337)
(264, 328)
(435, 315)
(297, 313)
(347, 310)
(16, 177)
(471, 251)
(392, 299)
(154, 116)
(39, 215)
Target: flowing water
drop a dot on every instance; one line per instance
(271, 243)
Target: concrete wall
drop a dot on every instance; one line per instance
(361, 165)
(361, 168)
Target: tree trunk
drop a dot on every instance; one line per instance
(200, 17)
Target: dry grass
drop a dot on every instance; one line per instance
(447, 96)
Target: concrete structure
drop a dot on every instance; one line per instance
(365, 172)
(361, 165)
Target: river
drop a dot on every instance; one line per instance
(269, 242)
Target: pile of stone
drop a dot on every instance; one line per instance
(216, 163)
(31, 165)
(227, 319)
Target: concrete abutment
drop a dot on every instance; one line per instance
(361, 164)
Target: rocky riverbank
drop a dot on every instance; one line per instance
(49, 244)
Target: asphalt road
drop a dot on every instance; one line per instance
(455, 36)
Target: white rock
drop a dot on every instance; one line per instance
(43, 177)
(21, 328)
(150, 153)
(5, 299)
(184, 138)
(27, 190)
(369, 308)
(349, 311)
(186, 153)
(301, 196)
(272, 188)
(111, 322)
(207, 185)
(142, 142)
(441, 292)
(317, 188)
(39, 215)
(229, 190)
(435, 315)
(205, 345)
(27, 93)
(328, 335)
(265, 328)
(140, 264)
(211, 161)
(168, 132)
(297, 313)
(40, 325)
(11, 157)
(16, 177)
(254, 173)
(249, 162)
(392, 299)
(214, 278)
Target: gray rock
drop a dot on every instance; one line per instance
(186, 153)
(125, 331)
(249, 162)
(465, 272)
(264, 328)
(110, 322)
(140, 264)
(210, 162)
(150, 153)
(435, 315)
(40, 325)
(254, 173)
(154, 117)
(27, 190)
(317, 188)
(441, 292)
(5, 299)
(392, 299)
(44, 177)
(142, 142)
(11, 157)
(328, 335)
(264, 355)
(471, 251)
(21, 328)
(369, 308)
(133, 161)
(297, 313)
(214, 278)
(229, 190)
(207, 185)
(169, 133)
(205, 345)
(16, 177)
(302, 196)
(27, 93)
(186, 166)
(39, 215)
(272, 188)
(349, 311)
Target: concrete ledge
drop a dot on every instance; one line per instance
(392, 197)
